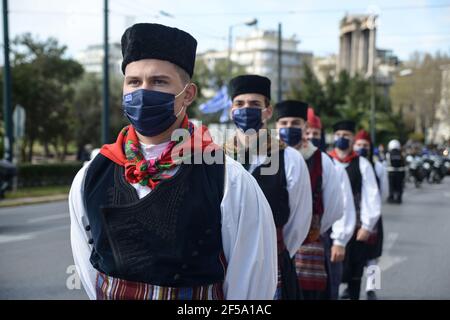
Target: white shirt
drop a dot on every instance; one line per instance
(297, 227)
(331, 188)
(248, 233)
(382, 174)
(343, 229)
(370, 196)
(332, 197)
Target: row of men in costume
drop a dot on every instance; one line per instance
(147, 226)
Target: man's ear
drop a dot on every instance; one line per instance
(268, 112)
(191, 94)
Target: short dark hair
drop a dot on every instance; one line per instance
(184, 76)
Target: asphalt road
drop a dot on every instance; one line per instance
(35, 253)
(36, 258)
(416, 260)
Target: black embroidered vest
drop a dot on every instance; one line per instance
(314, 164)
(274, 188)
(354, 174)
(171, 237)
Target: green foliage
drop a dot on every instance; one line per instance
(37, 192)
(349, 98)
(214, 78)
(417, 137)
(33, 175)
(87, 106)
(417, 93)
(42, 82)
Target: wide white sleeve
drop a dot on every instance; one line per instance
(331, 194)
(370, 196)
(79, 238)
(248, 236)
(382, 175)
(343, 229)
(297, 227)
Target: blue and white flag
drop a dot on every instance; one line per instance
(221, 101)
(225, 116)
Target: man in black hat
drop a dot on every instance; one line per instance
(367, 202)
(146, 223)
(327, 197)
(279, 170)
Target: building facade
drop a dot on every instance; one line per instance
(92, 58)
(257, 53)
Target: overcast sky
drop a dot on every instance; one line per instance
(403, 25)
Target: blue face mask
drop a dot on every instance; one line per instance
(316, 142)
(342, 143)
(292, 136)
(363, 152)
(150, 112)
(248, 118)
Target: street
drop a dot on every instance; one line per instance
(35, 252)
(35, 249)
(416, 257)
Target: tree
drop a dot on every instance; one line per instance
(213, 79)
(88, 102)
(310, 90)
(349, 98)
(42, 82)
(417, 94)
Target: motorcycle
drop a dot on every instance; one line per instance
(437, 170)
(447, 166)
(416, 172)
(427, 165)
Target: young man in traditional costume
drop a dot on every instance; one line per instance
(364, 148)
(147, 220)
(279, 170)
(326, 196)
(366, 199)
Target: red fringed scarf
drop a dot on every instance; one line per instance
(347, 159)
(126, 152)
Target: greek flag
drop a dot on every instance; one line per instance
(220, 102)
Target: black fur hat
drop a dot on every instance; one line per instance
(156, 41)
(249, 84)
(292, 108)
(344, 125)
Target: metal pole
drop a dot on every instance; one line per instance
(7, 110)
(373, 50)
(280, 67)
(230, 44)
(105, 114)
(372, 109)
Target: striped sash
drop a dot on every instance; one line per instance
(310, 266)
(110, 288)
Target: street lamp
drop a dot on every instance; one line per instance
(249, 23)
